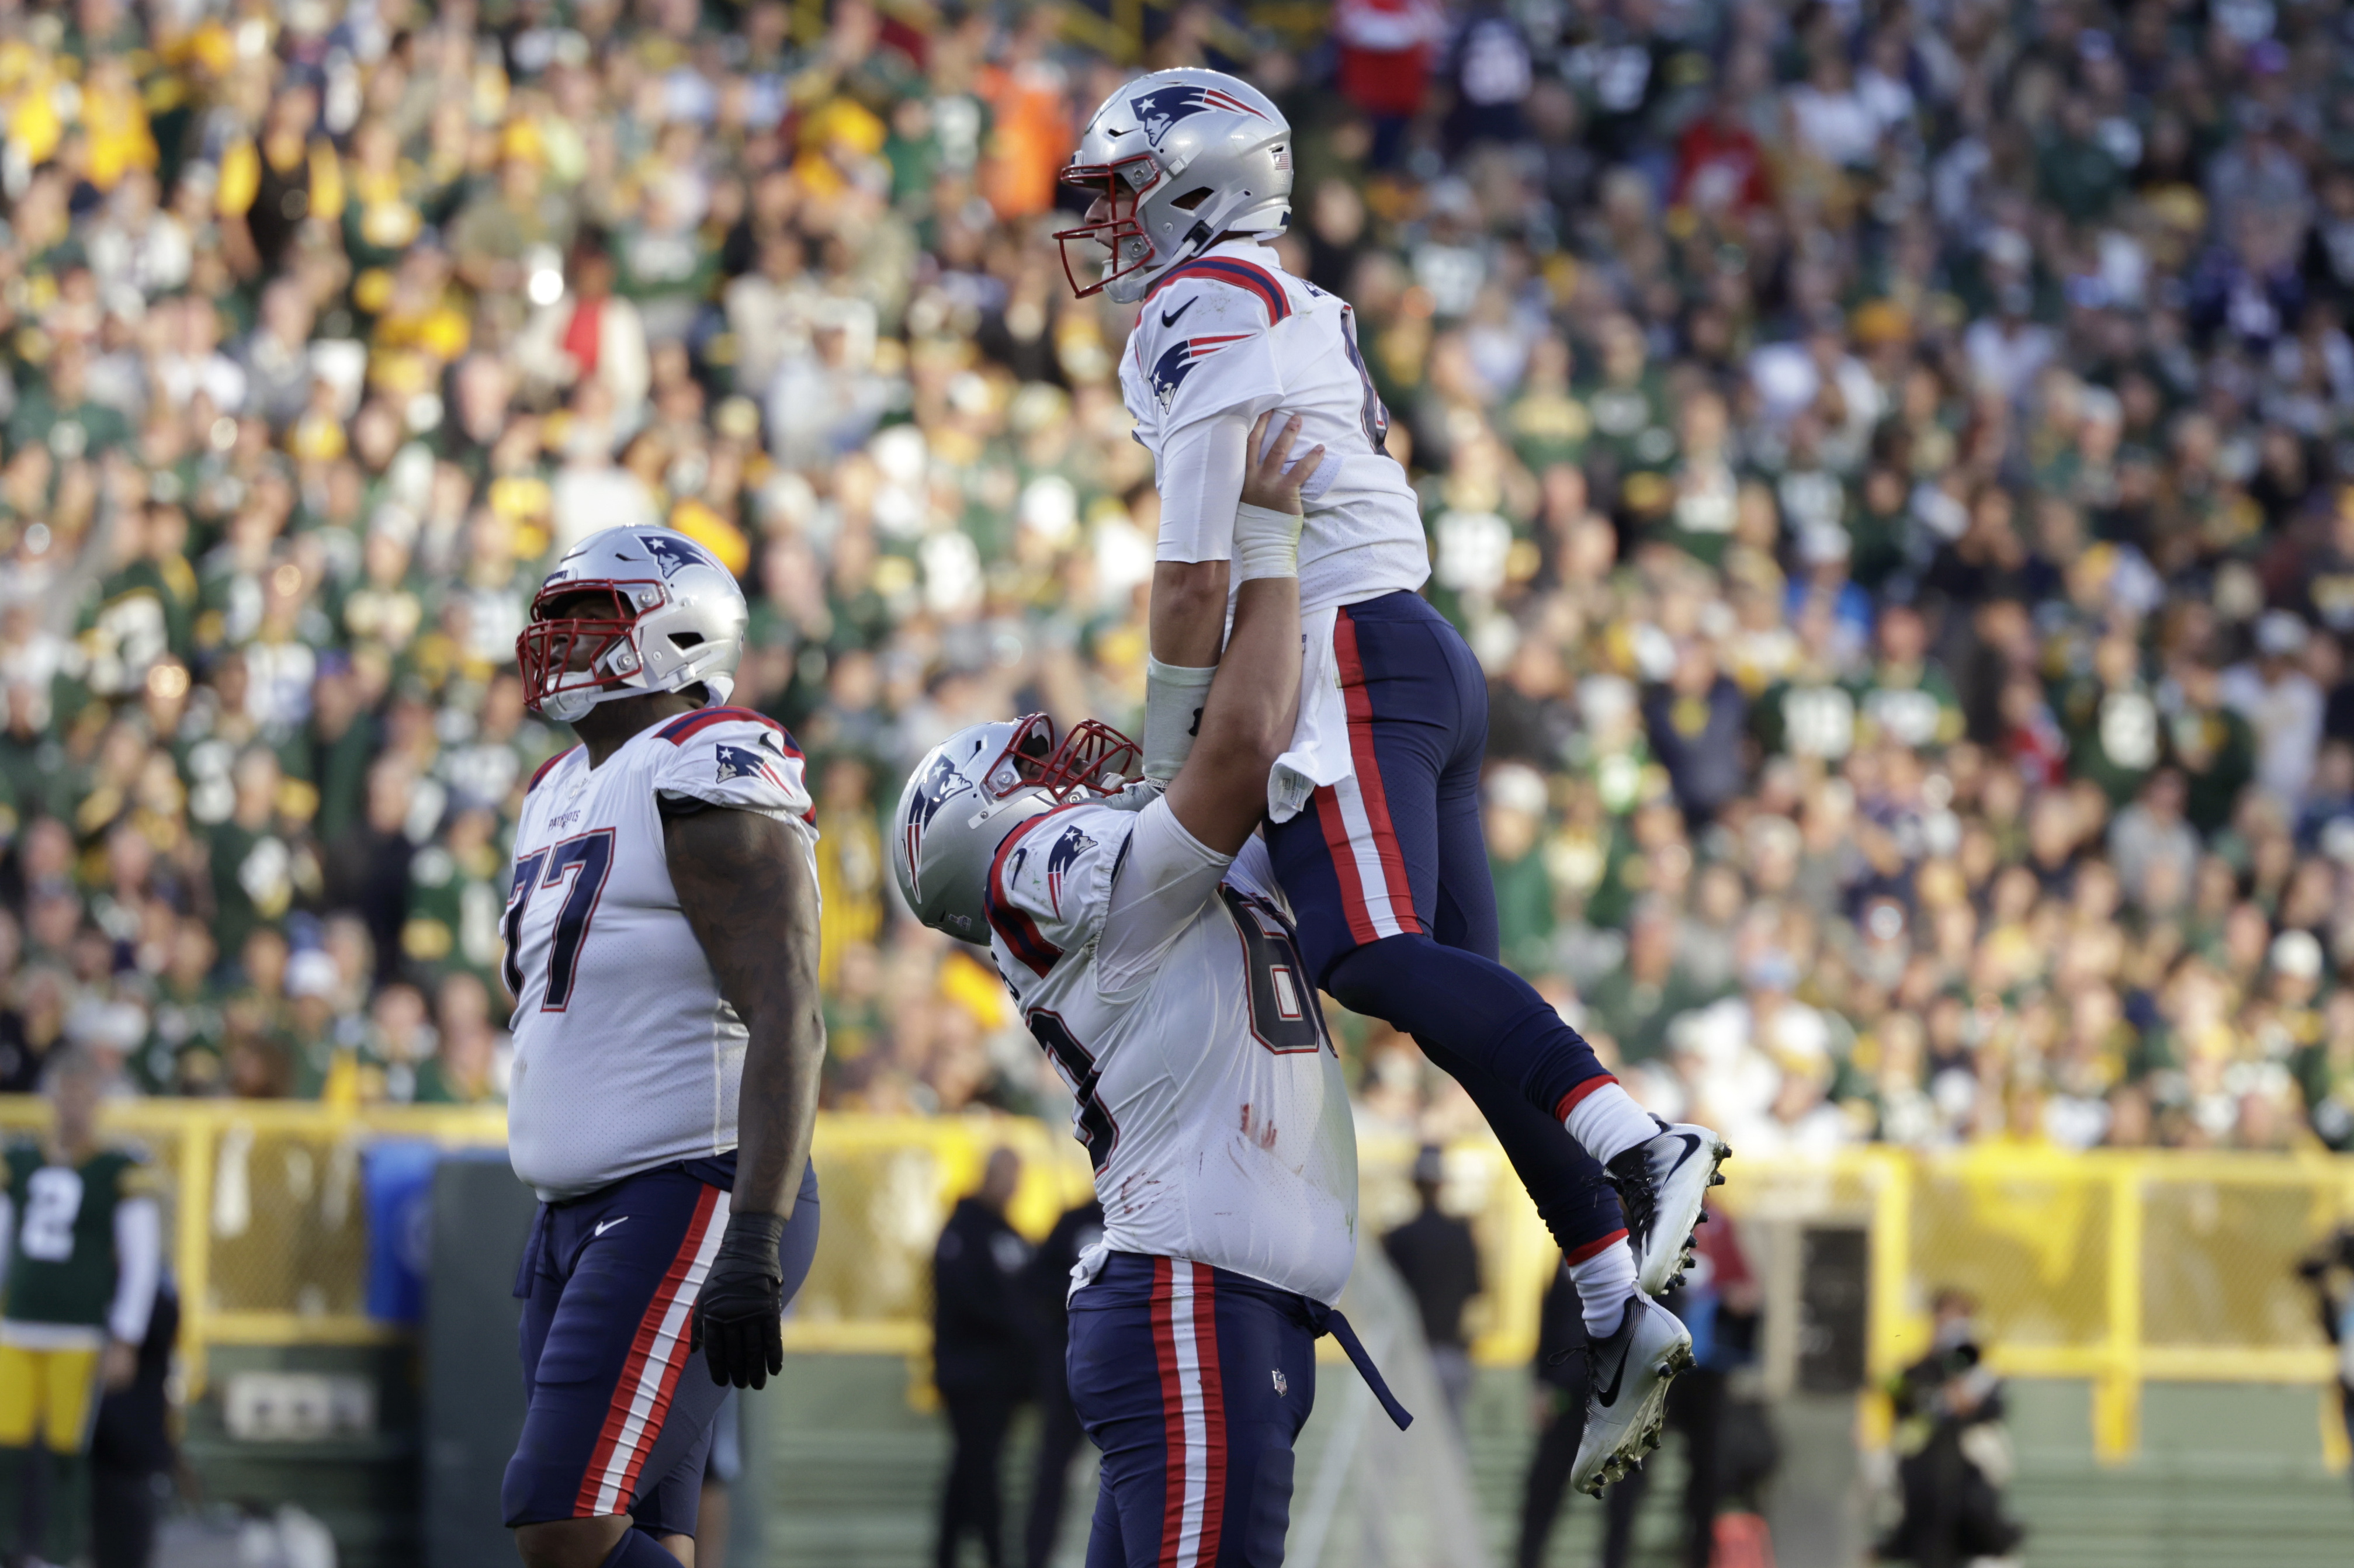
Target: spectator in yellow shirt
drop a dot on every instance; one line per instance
(272, 182)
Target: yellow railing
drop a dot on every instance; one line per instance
(2119, 1268)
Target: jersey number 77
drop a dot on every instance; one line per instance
(586, 858)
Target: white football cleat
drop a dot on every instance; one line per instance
(1627, 1391)
(1661, 1183)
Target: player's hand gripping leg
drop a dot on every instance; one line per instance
(738, 1314)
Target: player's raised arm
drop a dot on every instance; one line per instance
(746, 889)
(1246, 719)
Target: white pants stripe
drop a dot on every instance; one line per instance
(1196, 1460)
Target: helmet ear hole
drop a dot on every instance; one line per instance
(686, 639)
(1193, 198)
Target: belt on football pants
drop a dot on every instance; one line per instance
(1330, 1320)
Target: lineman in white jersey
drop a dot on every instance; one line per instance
(661, 934)
(1151, 956)
(1374, 807)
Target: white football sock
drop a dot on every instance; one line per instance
(1606, 1282)
(1608, 1122)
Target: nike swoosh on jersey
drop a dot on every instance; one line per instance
(604, 1225)
(1169, 318)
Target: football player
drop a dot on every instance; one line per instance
(1374, 809)
(662, 943)
(1152, 954)
(80, 1253)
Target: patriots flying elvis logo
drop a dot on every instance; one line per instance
(1177, 363)
(938, 785)
(670, 554)
(1064, 855)
(742, 762)
(1157, 111)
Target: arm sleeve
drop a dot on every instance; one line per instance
(1156, 888)
(734, 757)
(1200, 484)
(138, 1264)
(1210, 386)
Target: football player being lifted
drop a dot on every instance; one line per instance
(1375, 830)
(1152, 954)
(661, 941)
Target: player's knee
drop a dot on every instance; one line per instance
(1368, 980)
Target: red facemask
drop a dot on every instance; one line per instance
(1107, 182)
(1090, 759)
(549, 649)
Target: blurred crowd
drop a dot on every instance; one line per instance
(1892, 457)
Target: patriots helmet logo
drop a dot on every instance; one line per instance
(1061, 858)
(671, 553)
(1177, 363)
(745, 762)
(1157, 111)
(938, 787)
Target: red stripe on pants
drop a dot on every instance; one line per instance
(1369, 772)
(1344, 865)
(633, 1373)
(1173, 1410)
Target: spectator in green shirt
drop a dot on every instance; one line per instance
(1634, 1002)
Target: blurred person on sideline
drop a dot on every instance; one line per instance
(1438, 1257)
(132, 1453)
(1955, 1457)
(2330, 1273)
(84, 1255)
(1558, 1413)
(1048, 1283)
(984, 1355)
(1719, 1303)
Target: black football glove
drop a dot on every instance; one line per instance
(738, 1314)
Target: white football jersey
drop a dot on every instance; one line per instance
(1232, 332)
(1165, 983)
(626, 1056)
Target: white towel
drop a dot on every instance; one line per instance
(1319, 740)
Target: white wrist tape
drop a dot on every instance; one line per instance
(1266, 542)
(1173, 697)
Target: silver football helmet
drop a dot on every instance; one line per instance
(654, 611)
(978, 786)
(1175, 160)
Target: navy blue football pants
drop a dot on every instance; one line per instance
(620, 1411)
(1387, 874)
(1193, 1382)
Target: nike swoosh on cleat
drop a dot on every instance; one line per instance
(1609, 1396)
(1169, 318)
(1691, 1147)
